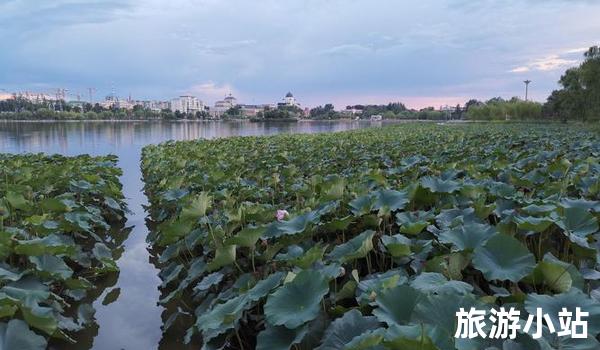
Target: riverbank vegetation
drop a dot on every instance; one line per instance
(61, 226)
(500, 109)
(375, 238)
(19, 108)
(280, 113)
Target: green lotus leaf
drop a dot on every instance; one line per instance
(397, 245)
(338, 224)
(247, 237)
(8, 274)
(368, 340)
(104, 255)
(280, 337)
(49, 245)
(264, 287)
(174, 194)
(531, 223)
(436, 185)
(362, 205)
(314, 254)
(52, 265)
(16, 335)
(292, 252)
(341, 331)
(7, 310)
(440, 310)
(577, 221)
(503, 257)
(374, 285)
(390, 200)
(539, 209)
(413, 223)
(553, 275)
(468, 236)
(209, 281)
(40, 317)
(197, 207)
(306, 290)
(334, 188)
(291, 227)
(28, 288)
(221, 317)
(570, 300)
(85, 314)
(395, 305)
(172, 231)
(411, 337)
(431, 282)
(170, 273)
(6, 244)
(452, 217)
(80, 220)
(196, 269)
(111, 296)
(356, 248)
(54, 205)
(580, 203)
(224, 256)
(16, 200)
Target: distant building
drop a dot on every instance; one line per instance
(289, 100)
(110, 101)
(223, 105)
(252, 110)
(352, 110)
(187, 104)
(156, 106)
(376, 117)
(33, 97)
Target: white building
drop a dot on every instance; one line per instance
(290, 101)
(223, 105)
(187, 104)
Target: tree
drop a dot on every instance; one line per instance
(579, 97)
(325, 112)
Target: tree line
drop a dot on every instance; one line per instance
(20, 108)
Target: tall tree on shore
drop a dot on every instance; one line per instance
(579, 97)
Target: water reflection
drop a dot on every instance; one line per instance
(134, 321)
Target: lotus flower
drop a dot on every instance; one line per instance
(281, 214)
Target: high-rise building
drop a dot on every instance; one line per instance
(187, 104)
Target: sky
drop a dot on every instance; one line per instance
(421, 53)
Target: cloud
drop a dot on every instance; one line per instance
(374, 42)
(545, 64)
(21, 17)
(211, 91)
(223, 48)
(322, 49)
(577, 50)
(522, 69)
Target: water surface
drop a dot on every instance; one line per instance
(133, 321)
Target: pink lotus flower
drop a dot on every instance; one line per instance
(281, 214)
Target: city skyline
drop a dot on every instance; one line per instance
(426, 54)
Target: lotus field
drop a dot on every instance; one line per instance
(61, 224)
(374, 239)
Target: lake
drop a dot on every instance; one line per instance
(133, 321)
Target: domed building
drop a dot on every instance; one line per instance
(289, 100)
(223, 105)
